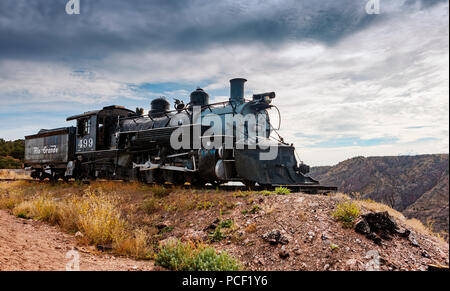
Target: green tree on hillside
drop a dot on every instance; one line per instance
(11, 153)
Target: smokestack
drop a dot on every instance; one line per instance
(237, 90)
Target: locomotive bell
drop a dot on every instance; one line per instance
(199, 98)
(179, 104)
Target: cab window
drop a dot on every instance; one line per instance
(84, 127)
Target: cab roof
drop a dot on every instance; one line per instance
(95, 112)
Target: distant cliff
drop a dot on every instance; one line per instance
(414, 185)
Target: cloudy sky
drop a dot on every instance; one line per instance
(347, 83)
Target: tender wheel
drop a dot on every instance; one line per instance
(175, 178)
(266, 186)
(216, 184)
(196, 181)
(158, 177)
(249, 184)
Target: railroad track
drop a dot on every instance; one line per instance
(312, 189)
(13, 180)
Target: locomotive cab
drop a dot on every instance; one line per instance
(95, 128)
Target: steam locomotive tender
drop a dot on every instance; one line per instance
(118, 143)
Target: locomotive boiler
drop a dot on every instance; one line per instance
(198, 143)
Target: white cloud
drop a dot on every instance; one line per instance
(390, 80)
(29, 81)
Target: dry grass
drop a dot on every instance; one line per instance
(160, 191)
(184, 200)
(251, 228)
(418, 226)
(278, 191)
(119, 214)
(302, 216)
(116, 186)
(42, 208)
(98, 218)
(151, 205)
(68, 214)
(340, 196)
(379, 207)
(136, 246)
(268, 209)
(10, 198)
(14, 174)
(96, 215)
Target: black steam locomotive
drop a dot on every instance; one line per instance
(196, 143)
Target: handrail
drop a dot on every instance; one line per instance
(185, 109)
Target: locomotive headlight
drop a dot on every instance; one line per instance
(264, 97)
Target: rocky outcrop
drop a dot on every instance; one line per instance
(379, 226)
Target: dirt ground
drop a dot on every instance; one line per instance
(315, 240)
(28, 245)
(306, 221)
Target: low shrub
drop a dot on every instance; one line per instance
(226, 223)
(217, 235)
(333, 247)
(266, 192)
(282, 191)
(347, 212)
(255, 209)
(166, 229)
(179, 256)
